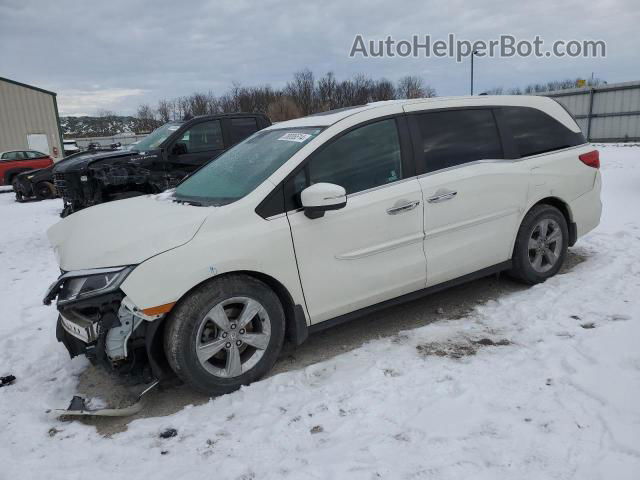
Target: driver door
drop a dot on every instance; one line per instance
(370, 250)
(197, 145)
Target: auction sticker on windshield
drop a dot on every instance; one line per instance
(295, 137)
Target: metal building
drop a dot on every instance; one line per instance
(608, 113)
(29, 119)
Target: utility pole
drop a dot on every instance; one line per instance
(472, 55)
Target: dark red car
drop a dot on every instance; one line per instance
(17, 161)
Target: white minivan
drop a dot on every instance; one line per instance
(314, 221)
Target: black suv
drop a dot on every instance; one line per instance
(158, 162)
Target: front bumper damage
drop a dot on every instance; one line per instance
(112, 333)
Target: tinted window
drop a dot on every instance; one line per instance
(241, 128)
(202, 137)
(363, 158)
(455, 137)
(536, 132)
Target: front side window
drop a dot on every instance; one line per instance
(536, 132)
(238, 171)
(363, 158)
(203, 137)
(241, 128)
(456, 137)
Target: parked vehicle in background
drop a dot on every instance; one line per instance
(17, 161)
(70, 147)
(36, 184)
(39, 184)
(319, 220)
(158, 162)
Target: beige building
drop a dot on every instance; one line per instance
(29, 119)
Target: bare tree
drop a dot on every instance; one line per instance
(302, 90)
(383, 90)
(146, 119)
(283, 108)
(164, 110)
(327, 92)
(198, 104)
(413, 87)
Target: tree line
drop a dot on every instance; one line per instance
(303, 95)
(550, 86)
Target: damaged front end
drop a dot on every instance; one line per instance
(110, 179)
(96, 319)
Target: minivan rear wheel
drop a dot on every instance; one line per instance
(225, 334)
(541, 245)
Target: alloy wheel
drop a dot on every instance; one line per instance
(233, 336)
(545, 245)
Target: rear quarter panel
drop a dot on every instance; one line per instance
(562, 175)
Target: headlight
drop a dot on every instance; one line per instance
(87, 283)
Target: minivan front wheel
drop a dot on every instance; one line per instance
(225, 334)
(541, 244)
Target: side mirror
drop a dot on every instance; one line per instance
(320, 197)
(179, 149)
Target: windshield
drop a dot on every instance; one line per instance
(155, 138)
(238, 171)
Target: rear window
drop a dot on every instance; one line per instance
(456, 137)
(536, 132)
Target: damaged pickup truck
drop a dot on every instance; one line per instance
(158, 162)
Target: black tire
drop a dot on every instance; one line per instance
(45, 190)
(523, 267)
(17, 191)
(184, 322)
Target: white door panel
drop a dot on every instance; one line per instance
(367, 252)
(472, 213)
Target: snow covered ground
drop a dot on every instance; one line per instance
(543, 383)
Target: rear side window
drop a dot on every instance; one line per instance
(456, 137)
(34, 154)
(241, 128)
(536, 132)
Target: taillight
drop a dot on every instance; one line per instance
(591, 159)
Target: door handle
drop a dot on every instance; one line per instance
(441, 197)
(403, 208)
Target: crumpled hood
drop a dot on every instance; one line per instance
(79, 162)
(124, 232)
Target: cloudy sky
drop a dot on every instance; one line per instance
(117, 54)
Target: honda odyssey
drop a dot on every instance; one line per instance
(315, 221)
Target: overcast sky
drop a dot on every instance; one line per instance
(117, 54)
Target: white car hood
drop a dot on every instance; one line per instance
(124, 232)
